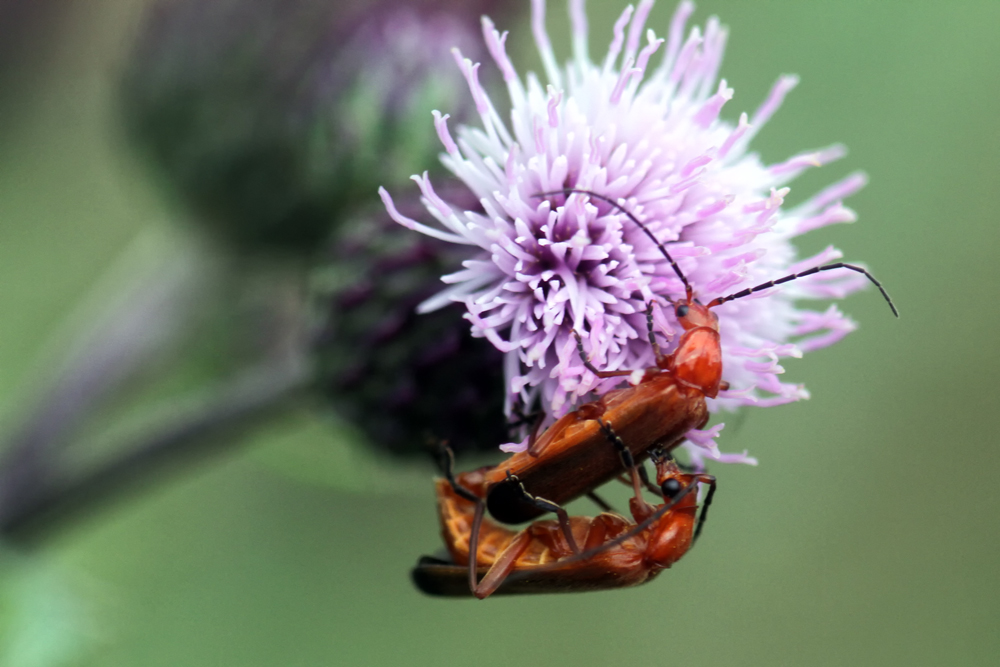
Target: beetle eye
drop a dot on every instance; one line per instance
(670, 488)
(682, 310)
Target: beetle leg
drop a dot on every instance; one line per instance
(657, 353)
(447, 463)
(637, 475)
(637, 504)
(646, 482)
(502, 566)
(628, 461)
(590, 367)
(477, 522)
(548, 506)
(446, 460)
(710, 480)
(538, 445)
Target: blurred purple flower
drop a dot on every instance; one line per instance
(650, 137)
(276, 120)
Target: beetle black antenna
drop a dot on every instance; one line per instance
(638, 223)
(802, 274)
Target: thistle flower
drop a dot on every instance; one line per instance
(642, 128)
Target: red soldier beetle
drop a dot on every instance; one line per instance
(577, 457)
(570, 555)
(571, 457)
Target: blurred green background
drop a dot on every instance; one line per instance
(868, 534)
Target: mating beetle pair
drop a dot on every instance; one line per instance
(573, 457)
(571, 554)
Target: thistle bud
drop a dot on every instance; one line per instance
(404, 378)
(274, 119)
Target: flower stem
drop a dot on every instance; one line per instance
(213, 425)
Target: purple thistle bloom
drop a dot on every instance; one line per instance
(646, 133)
